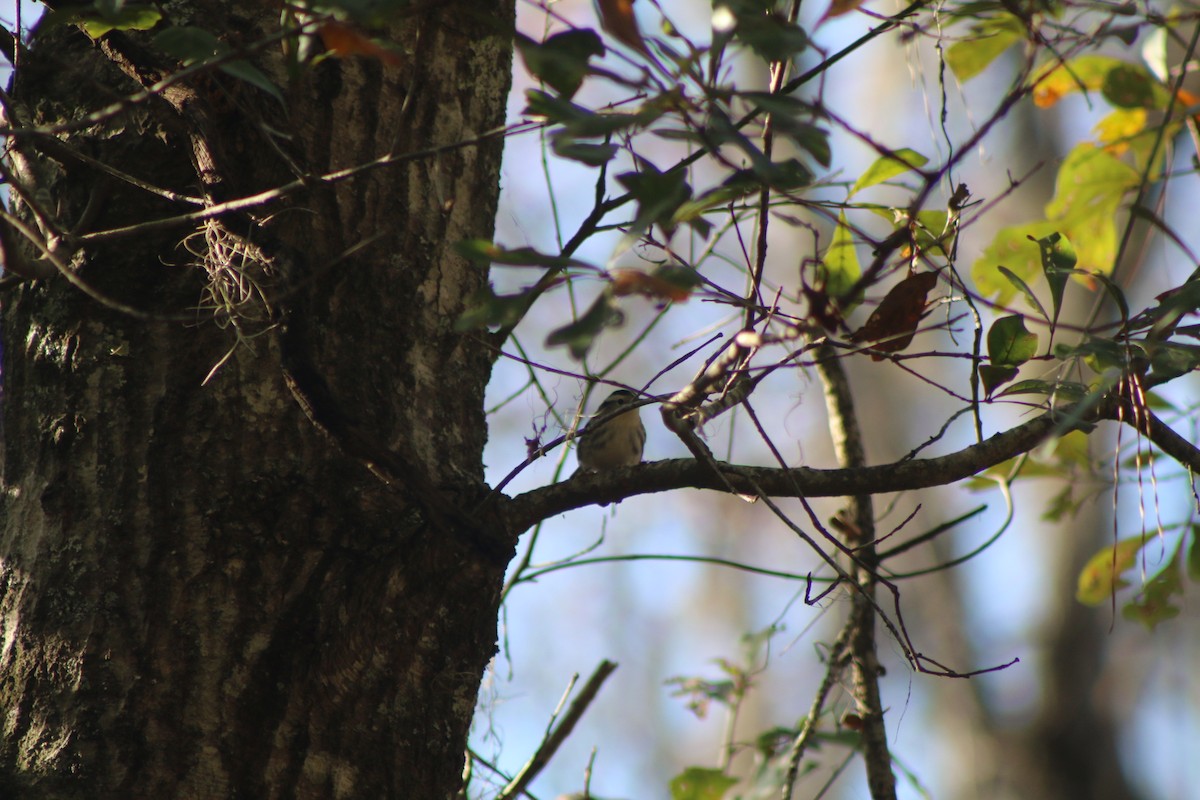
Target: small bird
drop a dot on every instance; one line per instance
(614, 442)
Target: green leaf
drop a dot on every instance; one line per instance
(840, 269)
(659, 195)
(1100, 577)
(1091, 182)
(814, 140)
(579, 335)
(1132, 86)
(1013, 249)
(1058, 260)
(594, 155)
(700, 783)
(100, 18)
(1023, 287)
(889, 166)
(483, 252)
(993, 376)
(193, 45)
(771, 36)
(245, 71)
(972, 56)
(189, 44)
(1065, 391)
(554, 109)
(779, 105)
(486, 309)
(1057, 78)
(1169, 360)
(1193, 559)
(562, 60)
(1010, 344)
(1154, 603)
(1089, 190)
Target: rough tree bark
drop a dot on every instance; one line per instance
(203, 593)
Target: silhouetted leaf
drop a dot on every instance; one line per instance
(481, 251)
(562, 60)
(579, 335)
(658, 195)
(486, 309)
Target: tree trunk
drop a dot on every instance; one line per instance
(215, 590)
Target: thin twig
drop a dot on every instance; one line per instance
(559, 734)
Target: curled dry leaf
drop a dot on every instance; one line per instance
(895, 320)
(618, 19)
(632, 281)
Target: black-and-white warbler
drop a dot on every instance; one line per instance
(614, 442)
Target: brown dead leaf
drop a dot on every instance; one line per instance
(895, 320)
(632, 281)
(618, 19)
(839, 7)
(344, 40)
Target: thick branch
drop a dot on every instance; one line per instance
(531, 507)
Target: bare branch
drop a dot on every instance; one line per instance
(556, 737)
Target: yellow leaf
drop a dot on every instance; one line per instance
(1100, 577)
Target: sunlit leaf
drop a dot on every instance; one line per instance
(1012, 249)
(99, 19)
(1057, 79)
(1118, 129)
(840, 269)
(1100, 577)
(700, 783)
(972, 56)
(1091, 183)
(888, 167)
